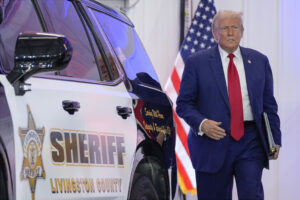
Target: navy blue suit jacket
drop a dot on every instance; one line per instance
(203, 94)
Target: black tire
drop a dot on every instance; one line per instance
(3, 188)
(143, 189)
(150, 181)
(5, 181)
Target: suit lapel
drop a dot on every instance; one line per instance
(218, 72)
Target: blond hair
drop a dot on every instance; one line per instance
(226, 14)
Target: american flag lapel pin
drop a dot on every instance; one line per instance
(249, 61)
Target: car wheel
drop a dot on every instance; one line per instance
(3, 189)
(143, 189)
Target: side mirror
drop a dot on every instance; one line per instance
(38, 52)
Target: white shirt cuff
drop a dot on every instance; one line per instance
(199, 130)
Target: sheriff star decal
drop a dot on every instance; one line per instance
(32, 142)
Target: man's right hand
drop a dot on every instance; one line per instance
(213, 130)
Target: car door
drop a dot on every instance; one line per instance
(74, 132)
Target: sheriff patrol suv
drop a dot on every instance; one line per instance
(82, 113)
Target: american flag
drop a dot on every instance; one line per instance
(198, 37)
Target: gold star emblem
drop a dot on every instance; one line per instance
(32, 143)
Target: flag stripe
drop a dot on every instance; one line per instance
(184, 125)
(184, 175)
(185, 161)
(183, 186)
(175, 80)
(179, 65)
(172, 94)
(181, 133)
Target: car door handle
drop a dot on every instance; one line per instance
(71, 106)
(124, 112)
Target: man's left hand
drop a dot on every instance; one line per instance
(276, 154)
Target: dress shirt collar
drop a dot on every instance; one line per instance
(224, 54)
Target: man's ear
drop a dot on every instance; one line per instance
(242, 30)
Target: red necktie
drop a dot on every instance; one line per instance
(235, 101)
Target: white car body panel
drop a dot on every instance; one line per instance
(97, 116)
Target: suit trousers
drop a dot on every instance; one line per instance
(244, 161)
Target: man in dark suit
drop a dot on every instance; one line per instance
(223, 93)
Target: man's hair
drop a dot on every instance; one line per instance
(224, 14)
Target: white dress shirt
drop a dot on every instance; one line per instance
(238, 61)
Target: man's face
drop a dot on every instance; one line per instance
(228, 33)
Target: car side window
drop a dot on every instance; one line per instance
(128, 48)
(114, 67)
(66, 21)
(18, 19)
